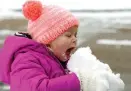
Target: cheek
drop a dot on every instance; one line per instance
(61, 44)
(61, 47)
(64, 43)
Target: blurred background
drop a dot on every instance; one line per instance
(105, 26)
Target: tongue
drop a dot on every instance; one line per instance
(68, 55)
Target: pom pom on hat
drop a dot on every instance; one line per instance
(32, 9)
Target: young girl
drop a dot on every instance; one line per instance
(37, 61)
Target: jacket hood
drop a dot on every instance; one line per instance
(12, 46)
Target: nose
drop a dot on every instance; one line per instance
(74, 40)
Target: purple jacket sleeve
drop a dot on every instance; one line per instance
(28, 75)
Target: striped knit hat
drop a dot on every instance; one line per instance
(46, 23)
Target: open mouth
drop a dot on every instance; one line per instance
(69, 52)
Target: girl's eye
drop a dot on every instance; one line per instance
(68, 35)
(75, 34)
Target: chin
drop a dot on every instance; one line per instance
(64, 60)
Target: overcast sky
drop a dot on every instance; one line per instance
(73, 4)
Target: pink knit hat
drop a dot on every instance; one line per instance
(46, 23)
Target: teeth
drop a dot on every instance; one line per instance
(64, 55)
(71, 53)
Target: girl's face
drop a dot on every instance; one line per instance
(65, 44)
